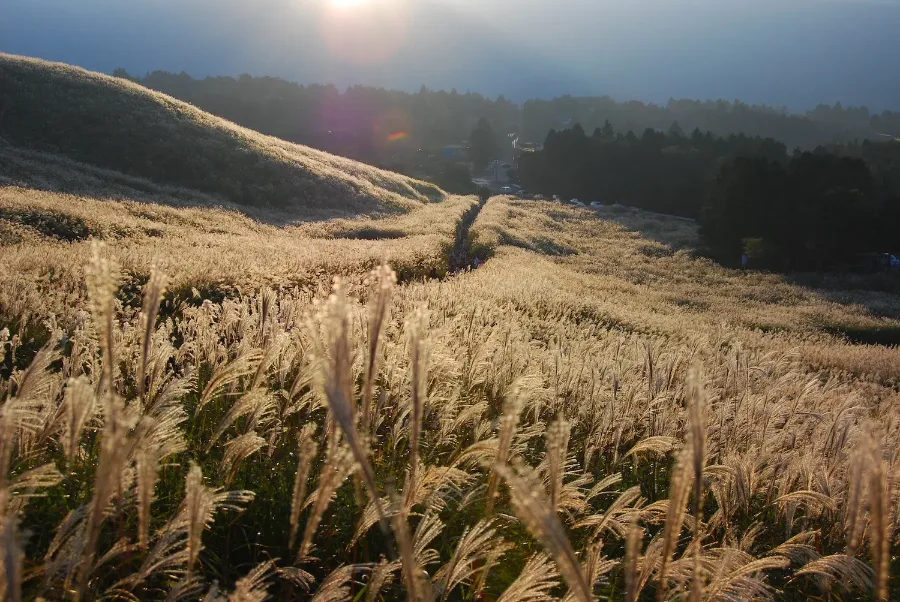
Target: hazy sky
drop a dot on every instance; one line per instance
(786, 52)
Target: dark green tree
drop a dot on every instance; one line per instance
(482, 144)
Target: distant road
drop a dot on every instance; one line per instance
(888, 136)
(487, 178)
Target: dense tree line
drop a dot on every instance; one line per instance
(370, 124)
(666, 172)
(795, 210)
(820, 126)
(360, 121)
(816, 211)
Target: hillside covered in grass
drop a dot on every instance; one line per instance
(121, 126)
(200, 403)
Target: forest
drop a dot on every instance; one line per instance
(787, 210)
(359, 122)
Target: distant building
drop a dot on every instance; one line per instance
(527, 147)
(455, 152)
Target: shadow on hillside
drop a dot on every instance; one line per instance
(674, 232)
(107, 121)
(52, 173)
(873, 296)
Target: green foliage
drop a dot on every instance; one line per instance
(667, 173)
(455, 178)
(818, 211)
(482, 144)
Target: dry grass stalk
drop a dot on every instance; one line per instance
(339, 392)
(417, 582)
(697, 442)
(473, 549)
(197, 506)
(533, 509)
(113, 457)
(153, 294)
(382, 281)
(534, 583)
(557, 446)
(512, 406)
(101, 279)
(881, 523)
(147, 468)
(632, 555)
(679, 490)
(79, 402)
(338, 466)
(306, 452)
(418, 390)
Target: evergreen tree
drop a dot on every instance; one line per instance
(482, 144)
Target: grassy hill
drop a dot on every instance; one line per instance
(118, 125)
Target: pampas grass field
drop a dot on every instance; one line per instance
(200, 401)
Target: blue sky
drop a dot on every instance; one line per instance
(792, 53)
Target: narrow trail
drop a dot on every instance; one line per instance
(461, 254)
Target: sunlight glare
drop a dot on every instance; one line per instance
(347, 3)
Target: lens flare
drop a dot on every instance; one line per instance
(397, 136)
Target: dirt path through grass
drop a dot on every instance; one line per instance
(460, 255)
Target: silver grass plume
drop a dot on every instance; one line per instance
(533, 509)
(237, 450)
(112, 462)
(153, 293)
(608, 518)
(473, 547)
(306, 452)
(512, 406)
(632, 554)
(417, 584)
(79, 402)
(382, 574)
(697, 412)
(842, 568)
(856, 480)
(147, 468)
(338, 466)
(197, 505)
(102, 284)
(252, 586)
(382, 281)
(557, 445)
(881, 524)
(679, 489)
(229, 373)
(534, 583)
(418, 366)
(335, 587)
(339, 391)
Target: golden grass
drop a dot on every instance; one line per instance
(658, 426)
(115, 124)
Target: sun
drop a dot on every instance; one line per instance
(348, 3)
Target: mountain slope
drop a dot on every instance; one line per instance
(119, 125)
